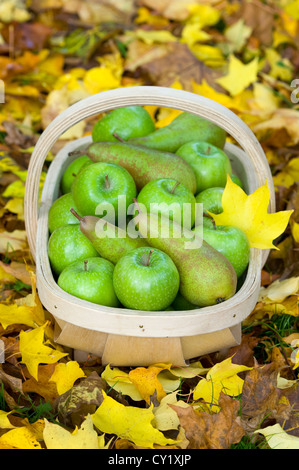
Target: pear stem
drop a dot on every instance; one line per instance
(85, 264)
(77, 152)
(107, 184)
(174, 187)
(118, 137)
(137, 205)
(76, 215)
(149, 256)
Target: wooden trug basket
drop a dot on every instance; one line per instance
(123, 337)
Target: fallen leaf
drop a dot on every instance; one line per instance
(146, 381)
(120, 381)
(283, 119)
(249, 213)
(289, 174)
(277, 438)
(239, 76)
(23, 437)
(65, 375)
(18, 271)
(212, 431)
(260, 396)
(13, 241)
(35, 352)
(222, 377)
(237, 35)
(56, 437)
(25, 310)
(81, 399)
(128, 422)
(165, 416)
(4, 421)
(42, 386)
(279, 290)
(13, 10)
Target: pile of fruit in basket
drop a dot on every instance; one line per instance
(132, 227)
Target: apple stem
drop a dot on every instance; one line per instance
(118, 137)
(214, 224)
(149, 256)
(107, 184)
(85, 264)
(209, 150)
(76, 215)
(174, 187)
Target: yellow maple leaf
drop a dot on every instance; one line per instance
(146, 381)
(211, 56)
(289, 175)
(239, 76)
(119, 381)
(26, 310)
(56, 437)
(206, 90)
(23, 437)
(128, 422)
(222, 377)
(35, 352)
(249, 213)
(65, 375)
(4, 421)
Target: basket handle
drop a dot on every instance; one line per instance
(133, 96)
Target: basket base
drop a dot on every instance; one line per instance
(119, 350)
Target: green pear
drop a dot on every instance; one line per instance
(186, 127)
(124, 123)
(206, 276)
(144, 164)
(109, 241)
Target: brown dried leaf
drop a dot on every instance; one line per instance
(80, 400)
(260, 18)
(212, 431)
(26, 36)
(18, 270)
(163, 64)
(42, 387)
(243, 354)
(260, 396)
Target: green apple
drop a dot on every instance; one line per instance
(232, 242)
(99, 186)
(90, 279)
(59, 213)
(71, 172)
(210, 199)
(167, 197)
(237, 180)
(66, 245)
(210, 164)
(180, 303)
(124, 123)
(146, 279)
